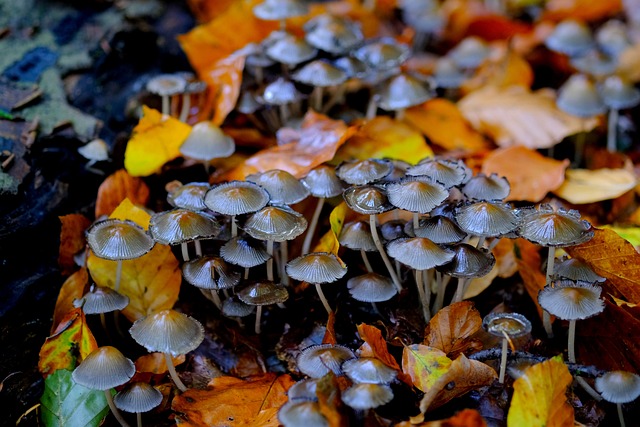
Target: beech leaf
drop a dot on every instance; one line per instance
(530, 174)
(155, 363)
(529, 264)
(73, 288)
(450, 330)
(117, 187)
(224, 81)
(464, 418)
(589, 186)
(516, 116)
(376, 346)
(503, 69)
(539, 398)
(331, 406)
(329, 241)
(72, 241)
(584, 10)
(234, 402)
(425, 365)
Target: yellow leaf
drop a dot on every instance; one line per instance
(630, 234)
(117, 187)
(73, 288)
(516, 116)
(441, 122)
(152, 282)
(539, 397)
(329, 242)
(425, 365)
(385, 137)
(503, 69)
(589, 186)
(155, 141)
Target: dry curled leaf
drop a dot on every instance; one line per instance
(450, 330)
(376, 346)
(539, 398)
(530, 174)
(117, 187)
(232, 401)
(329, 241)
(464, 418)
(441, 122)
(73, 288)
(589, 186)
(425, 365)
(224, 81)
(516, 116)
(330, 331)
(72, 241)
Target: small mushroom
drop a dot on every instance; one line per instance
(283, 188)
(619, 387)
(486, 188)
(382, 54)
(439, 229)
(486, 219)
(403, 91)
(470, 53)
(302, 412)
(280, 93)
(364, 396)
(612, 37)
(319, 74)
(448, 172)
(303, 390)
(447, 75)
(188, 196)
(206, 142)
(245, 252)
(280, 10)
(260, 294)
(332, 34)
(570, 37)
(416, 194)
(101, 300)
(356, 235)
(617, 95)
(371, 287)
(165, 86)
(505, 326)
(368, 370)
(180, 226)
(290, 51)
(574, 269)
(136, 398)
(361, 172)
(317, 361)
(210, 273)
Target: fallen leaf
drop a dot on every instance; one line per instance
(73, 288)
(530, 174)
(72, 241)
(464, 418)
(152, 282)
(232, 401)
(385, 137)
(314, 144)
(629, 64)
(224, 81)
(630, 234)
(450, 330)
(478, 285)
(425, 365)
(539, 397)
(516, 116)
(503, 68)
(117, 187)
(70, 343)
(330, 331)
(463, 376)
(612, 257)
(154, 141)
(376, 346)
(585, 10)
(441, 122)
(329, 402)
(329, 241)
(155, 363)
(588, 186)
(496, 27)
(529, 264)
(206, 10)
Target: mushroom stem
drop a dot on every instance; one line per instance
(579, 147)
(503, 360)
(257, 327)
(316, 98)
(460, 290)
(284, 113)
(116, 287)
(400, 114)
(186, 106)
(284, 257)
(246, 273)
(365, 259)
(571, 349)
(416, 222)
(114, 410)
(372, 108)
(198, 248)
(323, 299)
(306, 245)
(270, 260)
(166, 105)
(480, 243)
(216, 299)
(620, 415)
(424, 299)
(185, 251)
(139, 419)
(383, 254)
(442, 287)
(234, 227)
(546, 317)
(336, 98)
(174, 375)
(612, 127)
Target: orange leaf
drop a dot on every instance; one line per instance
(529, 263)
(70, 343)
(73, 288)
(206, 10)
(530, 174)
(254, 402)
(441, 122)
(464, 418)
(154, 141)
(587, 10)
(127, 210)
(72, 241)
(155, 363)
(539, 398)
(450, 330)
(224, 81)
(612, 257)
(314, 144)
(376, 346)
(329, 402)
(117, 187)
(496, 27)
(386, 137)
(504, 68)
(330, 332)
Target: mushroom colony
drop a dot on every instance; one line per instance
(416, 234)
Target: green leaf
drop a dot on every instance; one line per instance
(425, 365)
(67, 404)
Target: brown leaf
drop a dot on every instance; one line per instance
(376, 346)
(464, 418)
(530, 174)
(331, 406)
(73, 288)
(72, 241)
(612, 257)
(117, 187)
(587, 10)
(330, 332)
(496, 27)
(529, 263)
(450, 330)
(155, 363)
(504, 68)
(629, 64)
(232, 401)
(465, 375)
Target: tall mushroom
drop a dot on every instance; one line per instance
(506, 326)
(136, 398)
(619, 387)
(260, 294)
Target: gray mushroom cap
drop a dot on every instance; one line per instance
(575, 269)
(483, 187)
(393, 229)
(291, 51)
(352, 67)
(102, 300)
(447, 75)
(612, 37)
(166, 84)
(556, 228)
(320, 73)
(138, 397)
(403, 91)
(448, 172)
(382, 54)
(189, 196)
(619, 386)
(618, 94)
(368, 370)
(367, 396)
(371, 287)
(318, 360)
(360, 172)
(279, 92)
(595, 63)
(275, 10)
(570, 37)
(210, 272)
(207, 142)
(181, 225)
(316, 268)
(356, 235)
(468, 262)
(233, 307)
(333, 34)
(115, 239)
(283, 187)
(277, 223)
(513, 324)
(416, 194)
(263, 293)
(248, 103)
(322, 182)
(571, 300)
(303, 389)
(469, 53)
(579, 97)
(486, 219)
(302, 412)
(236, 198)
(439, 229)
(419, 253)
(244, 252)
(103, 369)
(367, 199)
(168, 331)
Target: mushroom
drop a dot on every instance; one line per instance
(319, 74)
(486, 219)
(303, 390)
(416, 194)
(574, 269)
(595, 64)
(282, 187)
(280, 10)
(612, 37)
(233, 307)
(619, 387)
(364, 396)
(617, 95)
(136, 398)
(356, 235)
(506, 326)
(570, 37)
(206, 142)
(245, 252)
(302, 412)
(280, 93)
(317, 268)
(201, 273)
(101, 300)
(171, 333)
(401, 92)
(317, 361)
(447, 172)
(290, 51)
(361, 172)
(382, 54)
(486, 188)
(470, 53)
(332, 34)
(439, 229)
(368, 370)
(448, 76)
(188, 196)
(103, 369)
(165, 86)
(371, 287)
(262, 293)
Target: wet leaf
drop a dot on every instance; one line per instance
(313, 145)
(65, 403)
(557, 10)
(156, 363)
(329, 241)
(73, 288)
(610, 256)
(386, 137)
(630, 234)
(441, 122)
(530, 174)
(539, 396)
(72, 241)
(425, 365)
(117, 187)
(234, 402)
(515, 116)
(224, 81)
(331, 406)
(529, 264)
(450, 330)
(154, 141)
(152, 282)
(70, 343)
(464, 418)
(330, 331)
(376, 346)
(589, 186)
